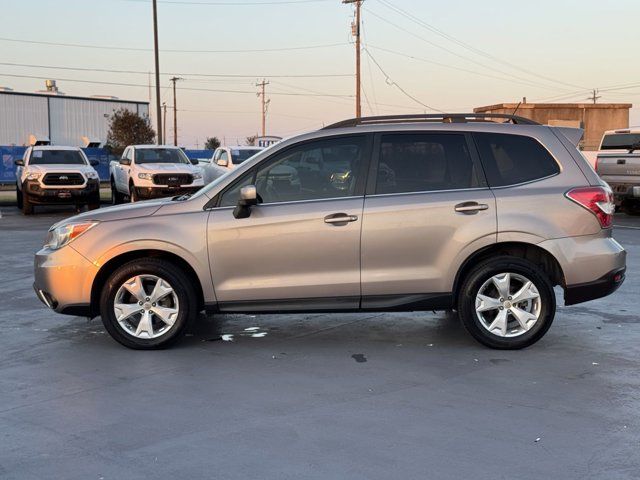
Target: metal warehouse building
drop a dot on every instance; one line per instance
(62, 119)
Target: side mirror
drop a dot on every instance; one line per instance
(223, 162)
(194, 161)
(94, 163)
(125, 161)
(248, 197)
(19, 162)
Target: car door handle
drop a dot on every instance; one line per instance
(470, 208)
(340, 218)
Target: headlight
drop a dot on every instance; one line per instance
(33, 176)
(93, 175)
(197, 176)
(58, 237)
(146, 176)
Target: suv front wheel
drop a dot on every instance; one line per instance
(147, 304)
(507, 303)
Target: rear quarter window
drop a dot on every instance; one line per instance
(513, 159)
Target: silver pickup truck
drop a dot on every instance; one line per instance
(618, 164)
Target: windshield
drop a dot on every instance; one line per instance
(620, 141)
(56, 157)
(160, 155)
(238, 156)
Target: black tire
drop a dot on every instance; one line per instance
(631, 207)
(169, 272)
(494, 266)
(18, 197)
(133, 194)
(116, 197)
(27, 206)
(94, 203)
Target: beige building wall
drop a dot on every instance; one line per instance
(595, 119)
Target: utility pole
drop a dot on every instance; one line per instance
(265, 105)
(164, 119)
(157, 61)
(175, 111)
(355, 31)
(594, 96)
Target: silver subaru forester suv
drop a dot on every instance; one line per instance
(474, 213)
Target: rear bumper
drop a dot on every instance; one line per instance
(625, 191)
(61, 195)
(599, 288)
(164, 191)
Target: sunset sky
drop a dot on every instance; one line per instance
(453, 56)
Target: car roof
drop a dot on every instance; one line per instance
(54, 147)
(243, 147)
(620, 131)
(172, 147)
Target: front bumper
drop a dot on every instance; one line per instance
(164, 191)
(605, 285)
(61, 195)
(63, 280)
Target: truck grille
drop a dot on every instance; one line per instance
(63, 179)
(172, 179)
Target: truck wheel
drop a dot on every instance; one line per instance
(631, 207)
(507, 303)
(116, 197)
(133, 195)
(18, 197)
(27, 206)
(94, 204)
(147, 304)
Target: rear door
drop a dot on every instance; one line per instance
(427, 208)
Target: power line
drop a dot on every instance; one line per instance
(172, 50)
(390, 82)
(455, 53)
(235, 4)
(212, 75)
(471, 48)
(122, 84)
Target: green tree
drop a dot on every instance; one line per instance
(128, 128)
(212, 143)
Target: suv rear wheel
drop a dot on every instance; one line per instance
(507, 303)
(147, 304)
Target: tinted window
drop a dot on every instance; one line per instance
(513, 159)
(314, 170)
(424, 162)
(56, 157)
(160, 155)
(620, 141)
(240, 156)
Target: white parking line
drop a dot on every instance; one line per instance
(626, 226)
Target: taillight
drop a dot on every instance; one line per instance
(598, 200)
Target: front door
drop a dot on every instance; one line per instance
(427, 208)
(300, 247)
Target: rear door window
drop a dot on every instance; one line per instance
(513, 159)
(424, 162)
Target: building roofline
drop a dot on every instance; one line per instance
(533, 106)
(72, 97)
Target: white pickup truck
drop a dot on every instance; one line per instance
(618, 164)
(52, 175)
(152, 171)
(225, 159)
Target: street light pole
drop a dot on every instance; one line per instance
(157, 61)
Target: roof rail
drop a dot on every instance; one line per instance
(435, 118)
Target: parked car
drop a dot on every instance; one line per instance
(225, 159)
(54, 175)
(391, 213)
(153, 171)
(618, 164)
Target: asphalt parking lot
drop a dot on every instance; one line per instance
(325, 396)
